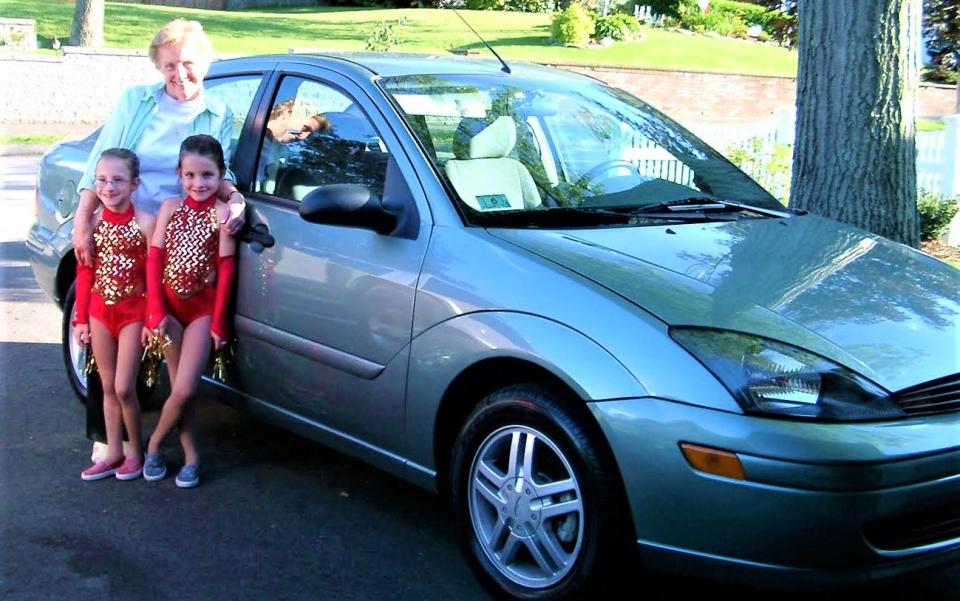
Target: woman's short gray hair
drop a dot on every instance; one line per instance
(180, 32)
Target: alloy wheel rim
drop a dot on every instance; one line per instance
(526, 506)
(78, 359)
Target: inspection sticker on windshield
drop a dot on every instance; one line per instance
(493, 201)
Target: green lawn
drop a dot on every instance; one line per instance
(928, 125)
(31, 139)
(515, 35)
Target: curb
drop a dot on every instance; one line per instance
(23, 149)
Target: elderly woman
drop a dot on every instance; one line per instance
(153, 120)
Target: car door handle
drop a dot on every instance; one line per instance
(258, 237)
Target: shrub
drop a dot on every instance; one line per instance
(936, 213)
(670, 8)
(572, 26)
(618, 26)
(725, 17)
(485, 4)
(384, 36)
(768, 163)
(529, 6)
(725, 24)
(751, 14)
(939, 74)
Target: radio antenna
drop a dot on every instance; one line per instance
(506, 68)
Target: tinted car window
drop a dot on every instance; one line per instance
(316, 135)
(237, 93)
(535, 144)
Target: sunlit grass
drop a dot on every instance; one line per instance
(520, 36)
(930, 125)
(7, 140)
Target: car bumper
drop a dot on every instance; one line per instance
(45, 251)
(820, 504)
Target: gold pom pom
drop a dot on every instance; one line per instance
(152, 358)
(90, 367)
(222, 358)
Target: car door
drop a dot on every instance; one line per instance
(324, 313)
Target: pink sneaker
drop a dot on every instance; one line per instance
(130, 470)
(102, 469)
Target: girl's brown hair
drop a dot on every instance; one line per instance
(128, 156)
(205, 146)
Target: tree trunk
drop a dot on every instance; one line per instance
(855, 154)
(87, 27)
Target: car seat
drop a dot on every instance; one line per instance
(483, 174)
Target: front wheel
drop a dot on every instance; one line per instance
(75, 358)
(535, 497)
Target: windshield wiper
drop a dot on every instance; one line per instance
(703, 204)
(552, 217)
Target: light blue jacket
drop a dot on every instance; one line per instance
(133, 112)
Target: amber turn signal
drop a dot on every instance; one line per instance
(713, 461)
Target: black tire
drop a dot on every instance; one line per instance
(580, 549)
(74, 359)
(74, 356)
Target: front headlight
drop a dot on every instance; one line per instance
(770, 377)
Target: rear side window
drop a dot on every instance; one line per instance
(237, 93)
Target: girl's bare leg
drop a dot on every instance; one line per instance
(128, 364)
(191, 359)
(171, 352)
(105, 353)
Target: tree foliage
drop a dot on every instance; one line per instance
(941, 31)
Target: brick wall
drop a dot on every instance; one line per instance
(694, 97)
(83, 85)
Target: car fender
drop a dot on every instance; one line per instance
(440, 354)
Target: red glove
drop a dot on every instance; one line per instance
(81, 294)
(225, 268)
(156, 310)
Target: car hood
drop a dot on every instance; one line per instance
(878, 307)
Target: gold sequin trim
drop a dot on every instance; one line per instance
(191, 244)
(121, 260)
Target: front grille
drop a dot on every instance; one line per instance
(936, 396)
(916, 530)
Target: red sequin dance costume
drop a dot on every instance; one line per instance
(186, 278)
(113, 290)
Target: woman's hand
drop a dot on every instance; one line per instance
(145, 335)
(82, 238)
(236, 218)
(81, 332)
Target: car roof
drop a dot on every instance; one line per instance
(372, 64)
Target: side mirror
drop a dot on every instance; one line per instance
(347, 204)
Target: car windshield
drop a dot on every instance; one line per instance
(523, 150)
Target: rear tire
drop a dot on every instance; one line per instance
(74, 355)
(536, 499)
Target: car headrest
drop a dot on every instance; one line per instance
(476, 139)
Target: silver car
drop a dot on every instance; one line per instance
(602, 341)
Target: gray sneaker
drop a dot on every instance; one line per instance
(189, 476)
(154, 468)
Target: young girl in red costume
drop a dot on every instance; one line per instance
(110, 306)
(189, 276)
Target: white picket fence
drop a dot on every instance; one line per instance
(938, 154)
